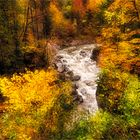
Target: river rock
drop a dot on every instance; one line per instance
(95, 53)
(64, 61)
(67, 77)
(76, 78)
(83, 53)
(75, 86)
(89, 83)
(70, 73)
(66, 68)
(80, 99)
(62, 76)
(83, 91)
(74, 92)
(58, 57)
(60, 67)
(56, 63)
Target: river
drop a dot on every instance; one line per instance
(78, 60)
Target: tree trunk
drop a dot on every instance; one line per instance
(26, 25)
(137, 5)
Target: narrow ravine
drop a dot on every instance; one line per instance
(77, 60)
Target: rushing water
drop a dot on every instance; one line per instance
(77, 60)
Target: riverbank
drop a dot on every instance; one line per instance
(69, 42)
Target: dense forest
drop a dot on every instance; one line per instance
(36, 100)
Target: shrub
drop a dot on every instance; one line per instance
(111, 85)
(130, 106)
(32, 96)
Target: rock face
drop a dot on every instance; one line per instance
(95, 53)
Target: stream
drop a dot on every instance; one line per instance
(77, 61)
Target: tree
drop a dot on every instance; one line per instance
(78, 12)
(9, 46)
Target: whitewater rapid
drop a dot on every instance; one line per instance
(78, 60)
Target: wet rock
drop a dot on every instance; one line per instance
(80, 99)
(67, 77)
(74, 92)
(83, 91)
(76, 78)
(89, 83)
(66, 68)
(83, 53)
(59, 57)
(94, 87)
(60, 67)
(55, 63)
(75, 86)
(70, 73)
(95, 53)
(76, 97)
(62, 76)
(64, 61)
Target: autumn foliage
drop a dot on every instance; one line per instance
(36, 104)
(29, 98)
